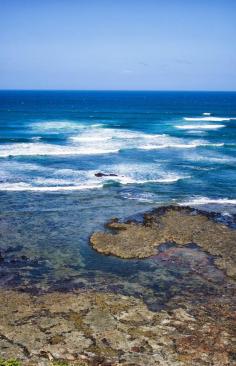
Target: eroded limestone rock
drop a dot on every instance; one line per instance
(181, 225)
(109, 329)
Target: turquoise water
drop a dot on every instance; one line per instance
(160, 147)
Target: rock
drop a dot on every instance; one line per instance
(181, 314)
(180, 225)
(100, 175)
(103, 328)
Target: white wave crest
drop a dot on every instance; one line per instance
(205, 201)
(90, 138)
(34, 149)
(94, 140)
(189, 145)
(100, 141)
(111, 138)
(170, 178)
(141, 197)
(210, 159)
(21, 176)
(54, 126)
(21, 186)
(199, 127)
(208, 119)
(140, 173)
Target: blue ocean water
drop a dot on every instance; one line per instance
(153, 148)
(162, 146)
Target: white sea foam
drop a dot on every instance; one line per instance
(20, 176)
(50, 181)
(90, 138)
(53, 185)
(68, 126)
(206, 114)
(111, 138)
(97, 146)
(36, 138)
(15, 171)
(93, 134)
(21, 186)
(138, 174)
(96, 125)
(15, 166)
(54, 126)
(205, 201)
(34, 149)
(141, 197)
(169, 178)
(189, 145)
(96, 140)
(210, 159)
(199, 127)
(196, 132)
(208, 119)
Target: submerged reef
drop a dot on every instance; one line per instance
(173, 224)
(109, 329)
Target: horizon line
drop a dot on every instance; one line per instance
(123, 90)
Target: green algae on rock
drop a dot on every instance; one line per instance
(11, 362)
(180, 225)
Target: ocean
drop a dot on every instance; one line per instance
(71, 160)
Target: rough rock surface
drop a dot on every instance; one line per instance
(177, 310)
(108, 329)
(180, 225)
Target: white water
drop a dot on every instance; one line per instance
(206, 201)
(199, 127)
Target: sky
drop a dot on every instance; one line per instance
(118, 44)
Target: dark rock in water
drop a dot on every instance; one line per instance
(100, 175)
(1, 257)
(180, 225)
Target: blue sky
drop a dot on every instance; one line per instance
(118, 44)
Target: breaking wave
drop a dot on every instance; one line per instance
(56, 126)
(205, 201)
(208, 119)
(21, 186)
(43, 149)
(95, 140)
(16, 177)
(199, 127)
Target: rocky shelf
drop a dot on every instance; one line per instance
(130, 326)
(109, 329)
(180, 225)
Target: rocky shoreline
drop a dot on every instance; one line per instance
(109, 329)
(187, 323)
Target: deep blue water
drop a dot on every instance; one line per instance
(160, 144)
(163, 147)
